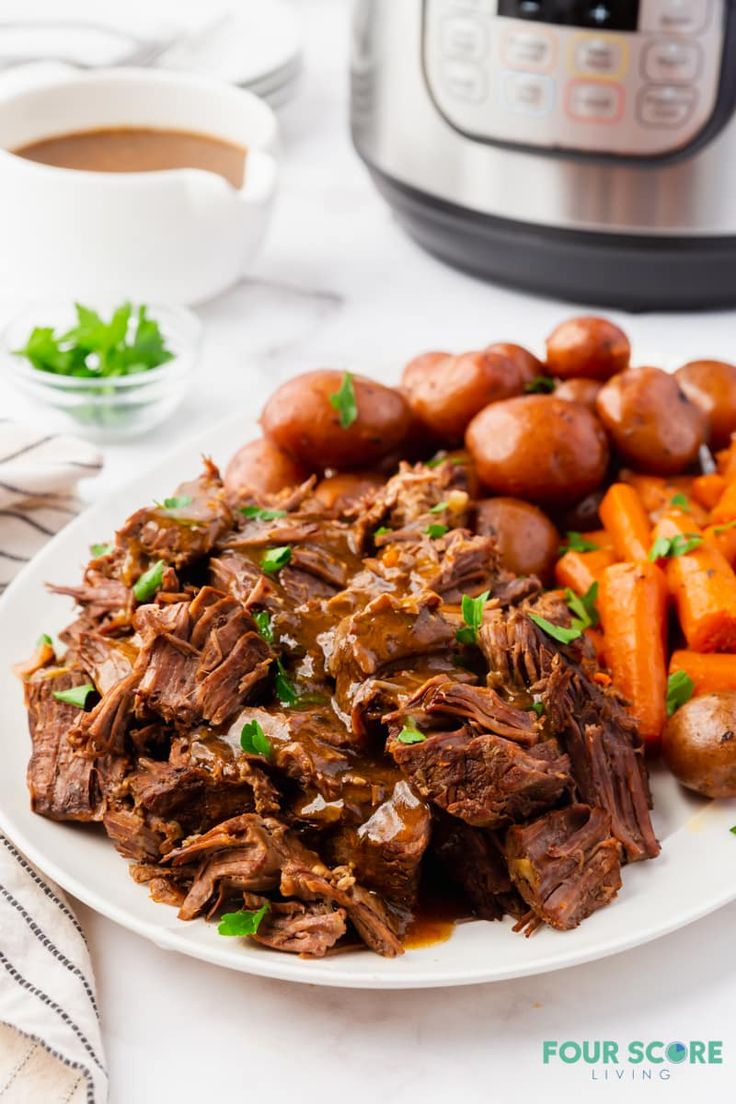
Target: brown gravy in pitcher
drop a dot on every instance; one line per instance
(139, 149)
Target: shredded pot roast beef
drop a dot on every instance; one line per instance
(276, 709)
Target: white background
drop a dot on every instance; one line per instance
(339, 285)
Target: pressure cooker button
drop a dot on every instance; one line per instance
(524, 48)
(464, 82)
(464, 39)
(528, 93)
(599, 56)
(676, 16)
(594, 101)
(672, 60)
(665, 105)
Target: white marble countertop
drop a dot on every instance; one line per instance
(339, 285)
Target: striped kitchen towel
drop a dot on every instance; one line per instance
(50, 1042)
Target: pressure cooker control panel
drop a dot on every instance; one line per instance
(628, 77)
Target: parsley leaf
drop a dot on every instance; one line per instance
(75, 695)
(261, 514)
(439, 508)
(262, 619)
(149, 582)
(472, 611)
(98, 550)
(176, 502)
(733, 829)
(436, 531)
(283, 686)
(540, 385)
(538, 708)
(254, 740)
(344, 401)
(557, 632)
(583, 607)
(718, 529)
(410, 734)
(667, 547)
(381, 531)
(681, 500)
(44, 638)
(680, 688)
(576, 542)
(242, 922)
(275, 559)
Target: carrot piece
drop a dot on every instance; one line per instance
(656, 494)
(704, 588)
(725, 507)
(707, 489)
(625, 519)
(723, 537)
(601, 538)
(579, 570)
(710, 673)
(633, 608)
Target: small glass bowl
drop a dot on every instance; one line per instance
(112, 408)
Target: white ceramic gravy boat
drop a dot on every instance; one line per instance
(177, 235)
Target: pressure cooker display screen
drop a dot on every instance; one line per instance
(613, 15)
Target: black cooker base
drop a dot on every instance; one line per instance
(632, 272)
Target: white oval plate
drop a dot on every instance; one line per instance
(695, 874)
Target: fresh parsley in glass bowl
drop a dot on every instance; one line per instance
(107, 373)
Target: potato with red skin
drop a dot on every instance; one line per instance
(300, 419)
(579, 390)
(341, 491)
(540, 448)
(261, 468)
(650, 421)
(711, 385)
(587, 346)
(527, 540)
(446, 393)
(529, 366)
(699, 744)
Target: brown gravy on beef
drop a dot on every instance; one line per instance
(139, 149)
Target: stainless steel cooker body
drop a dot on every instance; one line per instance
(586, 150)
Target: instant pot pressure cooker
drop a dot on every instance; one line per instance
(581, 148)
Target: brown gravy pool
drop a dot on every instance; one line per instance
(138, 149)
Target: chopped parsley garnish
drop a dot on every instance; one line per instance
(242, 922)
(283, 686)
(262, 619)
(149, 582)
(44, 639)
(254, 740)
(75, 695)
(344, 401)
(436, 531)
(443, 458)
(275, 559)
(176, 502)
(472, 611)
(410, 734)
(439, 508)
(381, 531)
(576, 542)
(733, 829)
(540, 385)
(98, 550)
(667, 547)
(585, 615)
(557, 632)
(680, 689)
(718, 529)
(95, 349)
(538, 708)
(681, 501)
(261, 514)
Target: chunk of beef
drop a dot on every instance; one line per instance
(105, 659)
(387, 849)
(443, 696)
(601, 738)
(183, 534)
(234, 574)
(63, 784)
(205, 658)
(469, 565)
(484, 779)
(309, 929)
(107, 604)
(566, 864)
(134, 836)
(473, 859)
(405, 503)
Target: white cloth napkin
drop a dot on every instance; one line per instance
(50, 1043)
